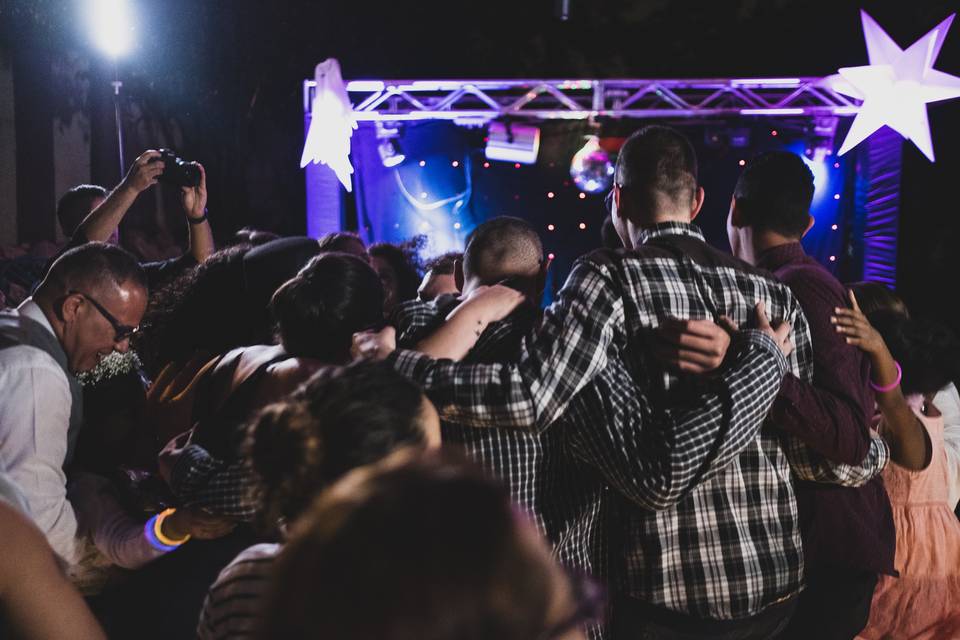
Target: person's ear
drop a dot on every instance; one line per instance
(698, 198)
(617, 201)
(812, 221)
(458, 274)
(68, 310)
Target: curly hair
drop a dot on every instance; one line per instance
(928, 352)
(202, 310)
(404, 258)
(340, 419)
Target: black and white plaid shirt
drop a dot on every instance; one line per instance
(707, 521)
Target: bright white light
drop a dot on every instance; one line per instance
(331, 124)
(819, 171)
(792, 111)
(897, 85)
(112, 25)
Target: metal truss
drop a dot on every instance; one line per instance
(479, 101)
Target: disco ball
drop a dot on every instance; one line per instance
(591, 168)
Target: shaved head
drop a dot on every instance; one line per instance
(502, 247)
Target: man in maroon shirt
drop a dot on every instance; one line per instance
(848, 533)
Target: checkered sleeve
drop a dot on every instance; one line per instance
(201, 480)
(807, 464)
(411, 319)
(655, 458)
(571, 347)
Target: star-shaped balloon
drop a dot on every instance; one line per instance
(897, 85)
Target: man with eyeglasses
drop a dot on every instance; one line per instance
(89, 305)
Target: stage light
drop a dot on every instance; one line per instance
(390, 153)
(836, 165)
(454, 164)
(834, 227)
(550, 227)
(512, 142)
(486, 165)
(836, 196)
(423, 163)
(457, 225)
(583, 196)
(388, 147)
(833, 258)
(583, 226)
(591, 168)
(112, 26)
(551, 256)
(550, 194)
(742, 163)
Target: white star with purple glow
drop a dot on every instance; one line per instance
(897, 85)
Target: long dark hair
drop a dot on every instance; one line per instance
(317, 312)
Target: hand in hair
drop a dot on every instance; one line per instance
(910, 445)
(374, 345)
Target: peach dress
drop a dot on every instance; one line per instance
(924, 602)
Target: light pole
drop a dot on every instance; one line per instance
(113, 32)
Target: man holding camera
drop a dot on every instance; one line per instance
(102, 223)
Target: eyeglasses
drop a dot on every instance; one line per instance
(591, 603)
(121, 331)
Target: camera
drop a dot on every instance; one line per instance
(177, 171)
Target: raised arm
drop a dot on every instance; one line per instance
(103, 221)
(909, 442)
(195, 207)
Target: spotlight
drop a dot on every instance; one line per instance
(391, 155)
(591, 168)
(512, 142)
(112, 26)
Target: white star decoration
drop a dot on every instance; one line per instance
(897, 85)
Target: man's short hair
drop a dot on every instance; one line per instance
(88, 267)
(500, 248)
(658, 159)
(774, 193)
(75, 205)
(443, 265)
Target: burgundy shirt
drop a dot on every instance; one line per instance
(840, 526)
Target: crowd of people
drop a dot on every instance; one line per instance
(303, 438)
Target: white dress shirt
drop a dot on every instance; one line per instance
(948, 402)
(35, 404)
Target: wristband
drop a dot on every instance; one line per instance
(199, 220)
(148, 533)
(158, 530)
(893, 385)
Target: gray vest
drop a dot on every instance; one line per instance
(16, 329)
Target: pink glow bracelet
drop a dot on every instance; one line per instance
(893, 385)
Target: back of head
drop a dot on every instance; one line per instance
(204, 310)
(340, 419)
(873, 296)
(90, 269)
(317, 311)
(774, 193)
(657, 169)
(76, 204)
(502, 247)
(415, 548)
(343, 242)
(928, 352)
(404, 259)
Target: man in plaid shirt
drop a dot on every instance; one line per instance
(721, 559)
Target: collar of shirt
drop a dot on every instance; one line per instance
(32, 310)
(776, 257)
(671, 229)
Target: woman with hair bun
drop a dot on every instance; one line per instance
(339, 420)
